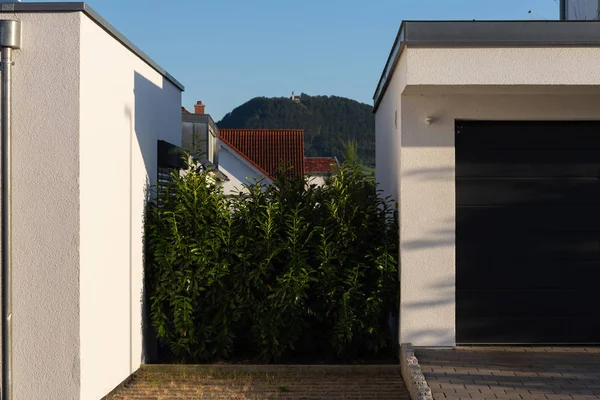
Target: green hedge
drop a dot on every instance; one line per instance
(281, 272)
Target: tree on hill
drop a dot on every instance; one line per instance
(328, 123)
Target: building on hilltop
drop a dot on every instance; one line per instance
(295, 98)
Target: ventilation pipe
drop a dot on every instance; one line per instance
(10, 39)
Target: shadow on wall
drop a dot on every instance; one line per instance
(444, 294)
(442, 174)
(415, 132)
(148, 101)
(145, 118)
(527, 228)
(440, 237)
(436, 238)
(441, 293)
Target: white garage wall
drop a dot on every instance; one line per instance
(126, 106)
(485, 66)
(388, 123)
(46, 231)
(388, 119)
(427, 204)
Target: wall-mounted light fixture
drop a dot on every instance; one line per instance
(429, 120)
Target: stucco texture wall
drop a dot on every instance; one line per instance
(388, 125)
(428, 207)
(388, 121)
(416, 161)
(46, 230)
(485, 66)
(126, 106)
(87, 114)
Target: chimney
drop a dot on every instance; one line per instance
(199, 108)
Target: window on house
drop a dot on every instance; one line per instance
(200, 136)
(170, 159)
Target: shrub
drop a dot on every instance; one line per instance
(283, 270)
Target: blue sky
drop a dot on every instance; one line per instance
(226, 52)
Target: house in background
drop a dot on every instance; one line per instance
(488, 135)
(200, 140)
(200, 135)
(240, 169)
(172, 158)
(88, 110)
(248, 155)
(244, 156)
(318, 169)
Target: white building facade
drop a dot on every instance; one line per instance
(485, 137)
(239, 169)
(88, 110)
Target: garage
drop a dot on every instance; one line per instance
(527, 232)
(488, 137)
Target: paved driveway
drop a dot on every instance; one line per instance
(512, 372)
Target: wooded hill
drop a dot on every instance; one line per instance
(328, 122)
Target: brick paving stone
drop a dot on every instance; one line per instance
(265, 383)
(509, 395)
(514, 372)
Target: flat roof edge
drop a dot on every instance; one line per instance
(388, 70)
(457, 34)
(94, 16)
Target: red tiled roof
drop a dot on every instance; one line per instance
(184, 111)
(320, 165)
(269, 149)
(233, 148)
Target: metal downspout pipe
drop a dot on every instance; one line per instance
(10, 38)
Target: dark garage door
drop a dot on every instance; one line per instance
(527, 232)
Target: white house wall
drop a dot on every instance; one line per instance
(46, 230)
(427, 206)
(126, 106)
(238, 170)
(317, 180)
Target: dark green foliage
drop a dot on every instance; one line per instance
(191, 276)
(328, 122)
(282, 271)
